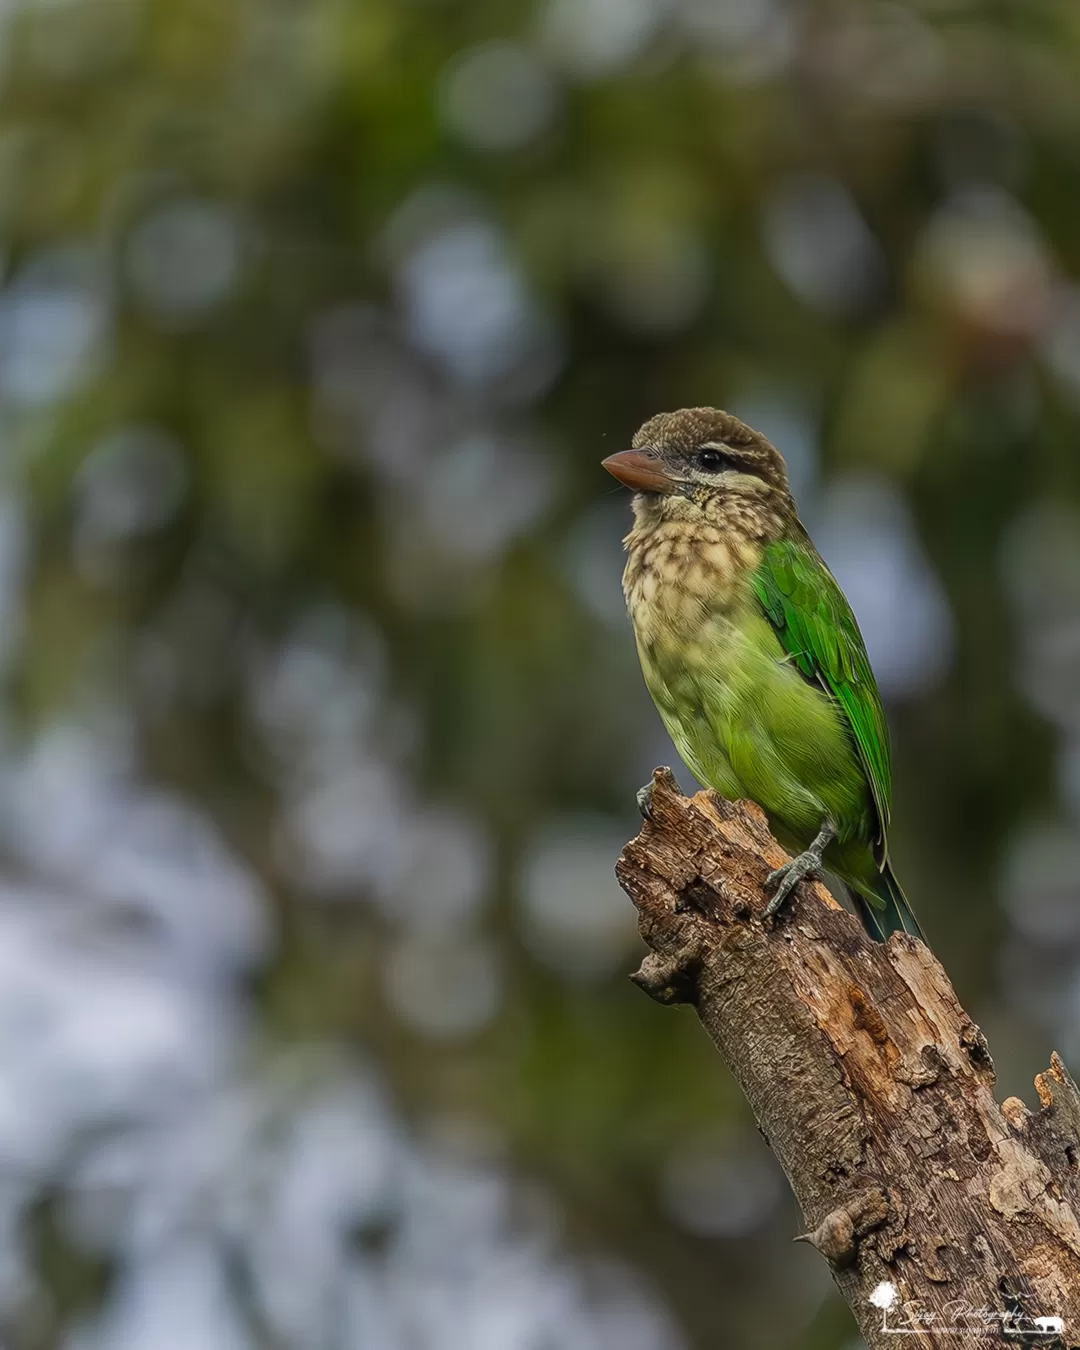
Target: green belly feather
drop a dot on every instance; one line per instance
(749, 724)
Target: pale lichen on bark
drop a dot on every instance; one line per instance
(872, 1085)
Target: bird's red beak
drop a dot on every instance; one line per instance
(639, 471)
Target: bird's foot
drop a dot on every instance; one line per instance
(786, 878)
(808, 864)
(644, 800)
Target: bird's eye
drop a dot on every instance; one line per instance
(713, 460)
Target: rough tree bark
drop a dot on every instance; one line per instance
(873, 1087)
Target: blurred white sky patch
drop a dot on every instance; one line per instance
(444, 986)
(131, 484)
(983, 253)
(71, 814)
(735, 24)
(1040, 879)
(299, 1209)
(184, 258)
(575, 917)
(14, 556)
(482, 490)
(467, 304)
(820, 244)
(497, 96)
(327, 733)
(345, 833)
(447, 875)
(448, 532)
(1040, 562)
(1069, 773)
(358, 833)
(885, 52)
(317, 695)
(239, 1192)
(371, 403)
(752, 39)
(592, 557)
(95, 1025)
(726, 1187)
(593, 38)
(1061, 337)
(329, 736)
(864, 531)
(171, 1301)
(55, 319)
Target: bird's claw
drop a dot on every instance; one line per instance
(786, 878)
(808, 864)
(644, 800)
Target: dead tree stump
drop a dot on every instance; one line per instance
(939, 1210)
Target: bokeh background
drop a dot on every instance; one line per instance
(321, 720)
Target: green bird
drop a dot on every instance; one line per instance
(753, 656)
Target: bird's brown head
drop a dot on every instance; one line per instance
(698, 457)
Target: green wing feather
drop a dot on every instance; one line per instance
(813, 620)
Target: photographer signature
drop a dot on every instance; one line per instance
(901, 1318)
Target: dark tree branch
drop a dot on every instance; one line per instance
(871, 1084)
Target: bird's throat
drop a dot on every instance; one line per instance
(690, 557)
(678, 572)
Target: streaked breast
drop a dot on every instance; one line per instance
(679, 575)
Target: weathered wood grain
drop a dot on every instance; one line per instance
(871, 1084)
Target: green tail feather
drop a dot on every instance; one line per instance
(886, 910)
